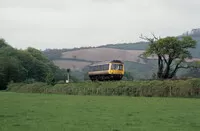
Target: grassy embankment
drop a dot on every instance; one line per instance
(173, 88)
(42, 112)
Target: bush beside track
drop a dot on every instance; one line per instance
(154, 88)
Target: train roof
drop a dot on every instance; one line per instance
(106, 62)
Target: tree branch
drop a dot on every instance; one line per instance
(176, 68)
(164, 59)
(184, 67)
(146, 38)
(155, 36)
(189, 66)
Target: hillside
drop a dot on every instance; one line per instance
(144, 45)
(127, 46)
(77, 59)
(103, 54)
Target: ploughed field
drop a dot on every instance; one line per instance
(42, 112)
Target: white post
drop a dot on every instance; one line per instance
(67, 81)
(68, 76)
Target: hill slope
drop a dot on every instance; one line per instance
(127, 46)
(80, 58)
(103, 54)
(144, 45)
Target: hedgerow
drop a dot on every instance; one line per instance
(154, 88)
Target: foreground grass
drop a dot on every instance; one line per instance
(42, 112)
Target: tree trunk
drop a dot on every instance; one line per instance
(160, 67)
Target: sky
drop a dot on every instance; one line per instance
(78, 23)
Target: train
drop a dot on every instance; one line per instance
(106, 70)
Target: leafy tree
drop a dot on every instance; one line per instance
(171, 54)
(37, 54)
(53, 54)
(61, 75)
(194, 71)
(86, 77)
(23, 65)
(38, 64)
(50, 80)
(73, 78)
(10, 67)
(128, 75)
(3, 82)
(3, 43)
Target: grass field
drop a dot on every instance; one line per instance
(42, 112)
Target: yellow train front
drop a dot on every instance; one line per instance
(107, 70)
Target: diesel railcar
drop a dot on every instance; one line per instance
(107, 70)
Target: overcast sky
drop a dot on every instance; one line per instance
(74, 23)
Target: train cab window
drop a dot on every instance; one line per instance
(113, 66)
(117, 67)
(120, 67)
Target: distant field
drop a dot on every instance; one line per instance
(70, 64)
(102, 54)
(39, 112)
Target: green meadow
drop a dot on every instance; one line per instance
(52, 112)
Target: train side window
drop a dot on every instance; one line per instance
(97, 68)
(107, 67)
(101, 67)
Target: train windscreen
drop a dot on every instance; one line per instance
(117, 67)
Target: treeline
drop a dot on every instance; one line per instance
(29, 65)
(127, 46)
(55, 54)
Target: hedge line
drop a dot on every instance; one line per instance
(173, 88)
